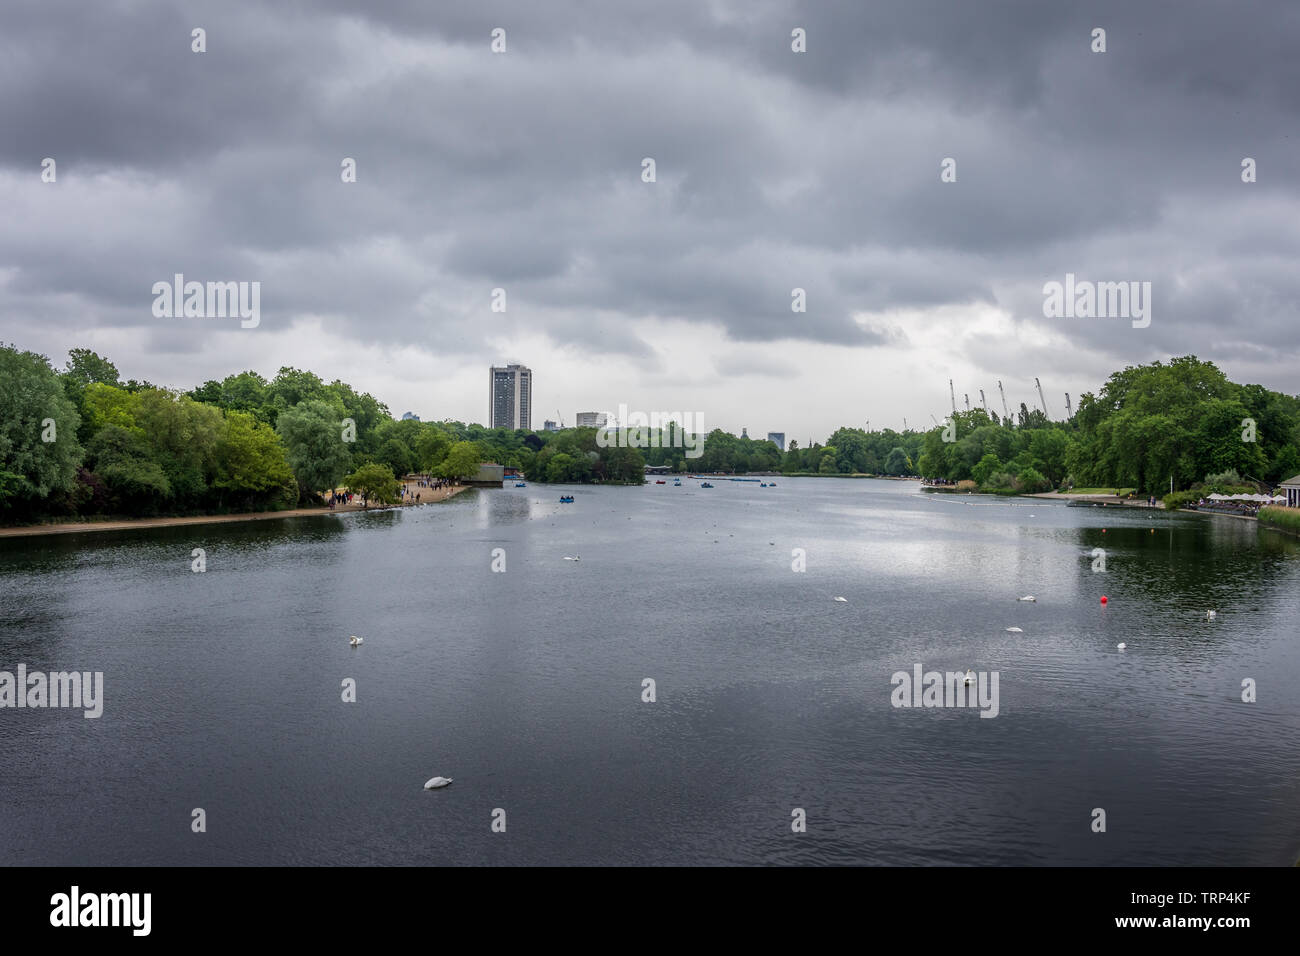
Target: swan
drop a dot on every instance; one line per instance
(567, 558)
(1121, 645)
(1014, 630)
(433, 783)
(1028, 597)
(842, 600)
(354, 640)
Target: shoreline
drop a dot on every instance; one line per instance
(127, 524)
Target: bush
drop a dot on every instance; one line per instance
(967, 485)
(1032, 480)
(1000, 481)
(1227, 478)
(1179, 499)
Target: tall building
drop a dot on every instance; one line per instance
(510, 397)
(777, 438)
(550, 426)
(591, 419)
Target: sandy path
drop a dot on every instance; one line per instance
(427, 496)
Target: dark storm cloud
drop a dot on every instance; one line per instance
(775, 170)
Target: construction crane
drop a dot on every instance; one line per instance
(559, 418)
(984, 403)
(1068, 413)
(1039, 386)
(904, 423)
(935, 420)
(953, 395)
(966, 395)
(1005, 414)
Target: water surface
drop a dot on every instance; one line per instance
(223, 688)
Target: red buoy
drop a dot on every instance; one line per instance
(1103, 599)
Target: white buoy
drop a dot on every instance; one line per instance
(1121, 645)
(434, 783)
(1028, 597)
(354, 640)
(1014, 630)
(842, 600)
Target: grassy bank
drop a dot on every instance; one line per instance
(1283, 519)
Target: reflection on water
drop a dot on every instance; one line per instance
(223, 688)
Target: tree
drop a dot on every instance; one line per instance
(397, 456)
(986, 466)
(463, 459)
(39, 450)
(312, 433)
(431, 447)
(108, 405)
(182, 435)
(83, 368)
(251, 462)
(374, 483)
(122, 460)
(897, 463)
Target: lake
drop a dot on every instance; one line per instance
(223, 690)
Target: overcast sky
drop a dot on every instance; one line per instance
(775, 170)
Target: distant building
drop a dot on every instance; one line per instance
(591, 419)
(410, 417)
(510, 397)
(489, 473)
(744, 432)
(777, 438)
(550, 426)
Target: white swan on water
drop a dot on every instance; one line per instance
(1121, 645)
(842, 600)
(354, 640)
(1027, 597)
(433, 783)
(1014, 630)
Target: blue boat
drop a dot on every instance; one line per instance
(706, 485)
(566, 499)
(520, 484)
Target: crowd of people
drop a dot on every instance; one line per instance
(409, 492)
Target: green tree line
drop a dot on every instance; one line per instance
(1149, 426)
(80, 441)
